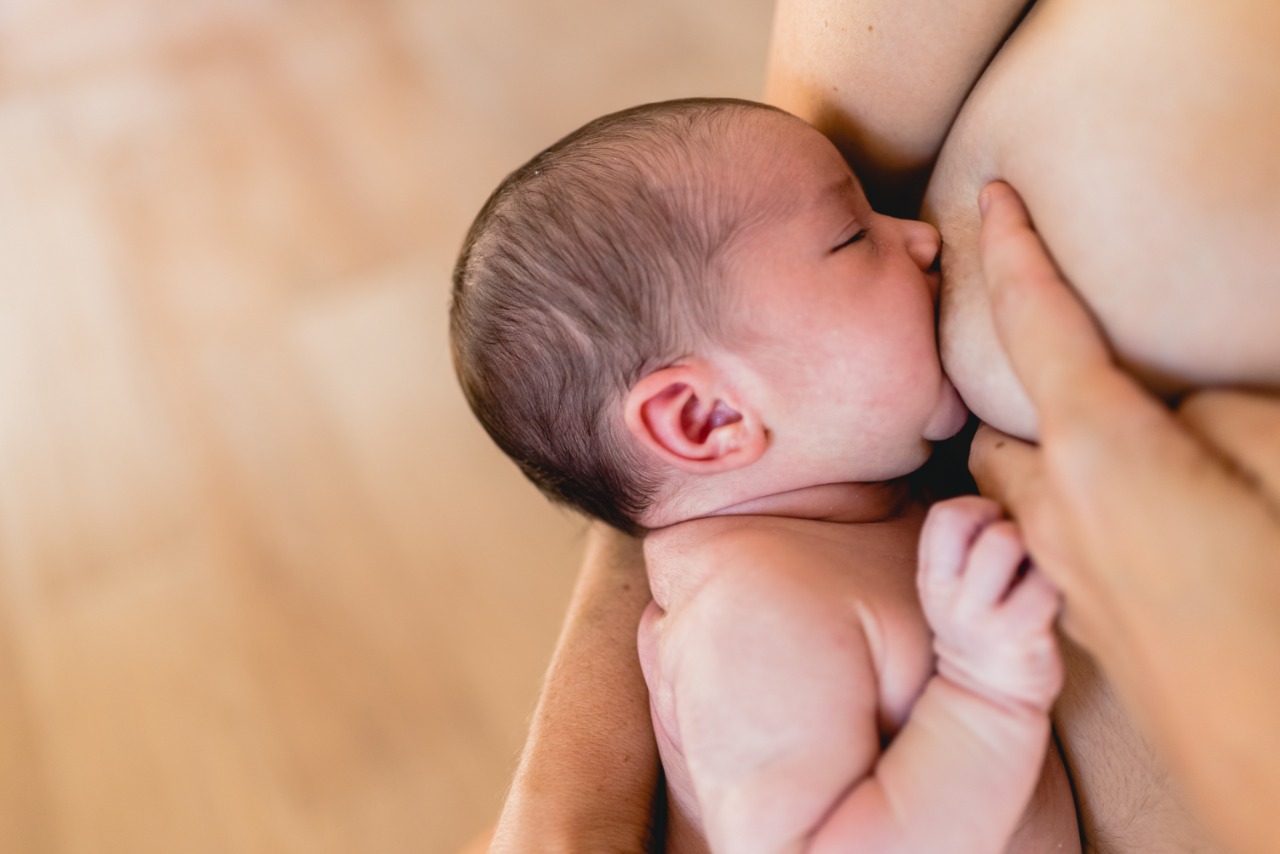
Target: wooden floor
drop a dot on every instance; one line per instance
(264, 587)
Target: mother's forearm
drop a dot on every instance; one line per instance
(589, 770)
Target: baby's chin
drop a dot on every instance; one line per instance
(948, 417)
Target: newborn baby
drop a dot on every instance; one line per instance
(685, 320)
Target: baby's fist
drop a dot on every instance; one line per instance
(992, 621)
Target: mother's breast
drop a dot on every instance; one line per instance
(1144, 137)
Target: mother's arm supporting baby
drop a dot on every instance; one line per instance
(1161, 528)
(589, 770)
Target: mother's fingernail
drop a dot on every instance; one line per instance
(984, 199)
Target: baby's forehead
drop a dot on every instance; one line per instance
(779, 158)
(747, 164)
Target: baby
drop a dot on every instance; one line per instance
(685, 320)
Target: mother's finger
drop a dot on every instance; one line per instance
(1012, 473)
(1007, 470)
(1051, 339)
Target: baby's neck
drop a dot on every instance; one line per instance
(832, 502)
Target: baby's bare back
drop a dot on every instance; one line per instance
(781, 656)
(819, 621)
(848, 578)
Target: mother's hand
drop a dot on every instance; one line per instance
(1161, 528)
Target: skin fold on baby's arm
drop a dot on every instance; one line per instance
(772, 693)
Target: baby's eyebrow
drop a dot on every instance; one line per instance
(838, 191)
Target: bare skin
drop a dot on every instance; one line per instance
(784, 653)
(588, 774)
(1141, 135)
(789, 659)
(1187, 613)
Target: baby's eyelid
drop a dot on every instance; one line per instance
(857, 235)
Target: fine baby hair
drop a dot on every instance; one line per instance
(598, 261)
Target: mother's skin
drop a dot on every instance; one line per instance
(1141, 135)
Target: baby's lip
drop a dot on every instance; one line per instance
(934, 273)
(935, 283)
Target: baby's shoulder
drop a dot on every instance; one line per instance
(682, 557)
(755, 551)
(718, 540)
(699, 539)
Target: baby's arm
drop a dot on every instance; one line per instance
(959, 775)
(775, 701)
(769, 690)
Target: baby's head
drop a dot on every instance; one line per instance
(685, 306)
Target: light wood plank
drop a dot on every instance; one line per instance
(264, 586)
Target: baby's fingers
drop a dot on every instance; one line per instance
(992, 566)
(1032, 605)
(949, 532)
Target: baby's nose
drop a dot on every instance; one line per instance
(923, 244)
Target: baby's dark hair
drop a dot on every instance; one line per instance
(590, 266)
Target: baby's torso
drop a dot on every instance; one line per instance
(846, 573)
(842, 577)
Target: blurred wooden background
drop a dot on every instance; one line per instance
(264, 587)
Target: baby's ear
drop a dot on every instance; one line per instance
(683, 415)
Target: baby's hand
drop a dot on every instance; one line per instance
(992, 624)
